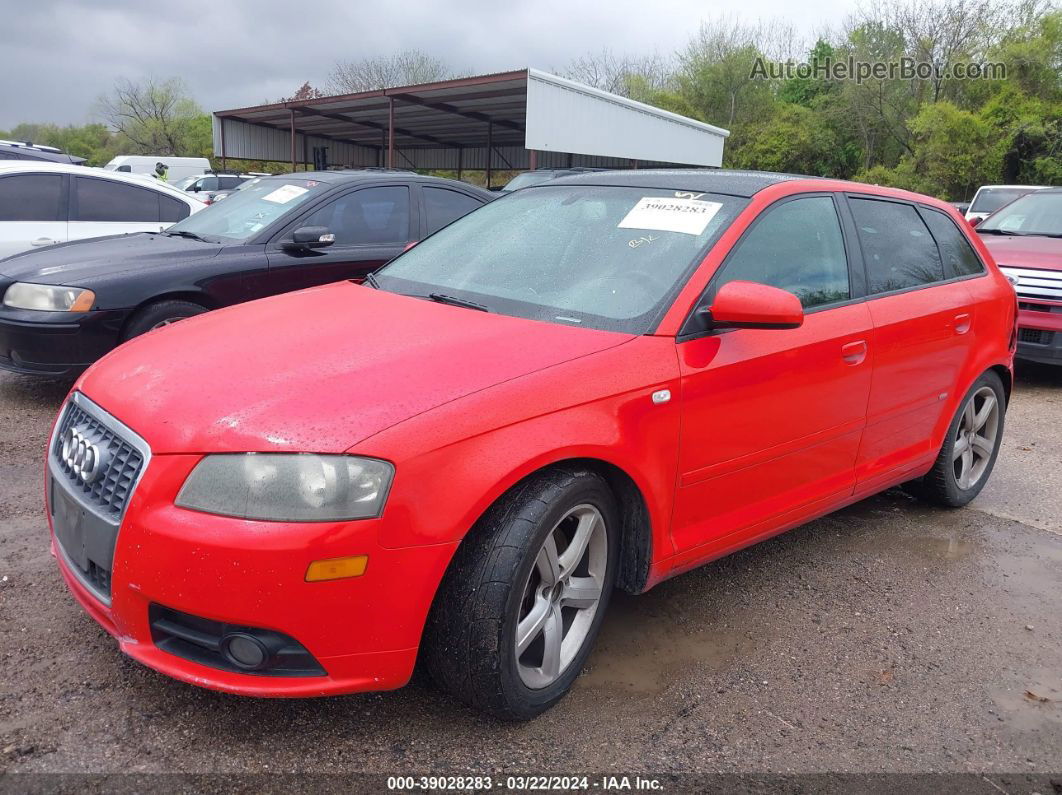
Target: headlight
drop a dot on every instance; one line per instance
(288, 487)
(48, 298)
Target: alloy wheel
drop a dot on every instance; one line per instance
(561, 596)
(976, 438)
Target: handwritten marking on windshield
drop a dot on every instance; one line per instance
(641, 241)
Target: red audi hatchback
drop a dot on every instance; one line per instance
(599, 382)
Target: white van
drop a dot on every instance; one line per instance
(179, 167)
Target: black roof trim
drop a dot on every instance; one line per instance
(701, 180)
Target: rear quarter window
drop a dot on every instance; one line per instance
(959, 257)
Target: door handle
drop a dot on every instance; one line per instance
(962, 323)
(854, 352)
(42, 241)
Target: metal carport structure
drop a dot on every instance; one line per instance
(524, 119)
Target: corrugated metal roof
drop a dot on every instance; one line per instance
(433, 122)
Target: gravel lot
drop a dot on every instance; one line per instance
(888, 637)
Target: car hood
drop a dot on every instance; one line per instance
(1025, 252)
(318, 370)
(79, 261)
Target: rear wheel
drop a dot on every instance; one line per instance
(969, 453)
(159, 314)
(520, 606)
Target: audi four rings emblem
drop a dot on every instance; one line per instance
(82, 455)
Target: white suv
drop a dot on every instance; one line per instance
(46, 203)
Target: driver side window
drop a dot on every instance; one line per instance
(369, 216)
(796, 246)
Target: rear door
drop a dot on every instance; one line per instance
(32, 211)
(923, 316)
(371, 225)
(771, 419)
(109, 207)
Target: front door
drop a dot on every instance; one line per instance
(771, 419)
(371, 226)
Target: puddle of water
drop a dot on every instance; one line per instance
(950, 548)
(646, 643)
(1036, 706)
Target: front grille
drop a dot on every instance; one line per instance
(1035, 336)
(1035, 284)
(110, 490)
(200, 640)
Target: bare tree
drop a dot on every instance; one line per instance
(305, 92)
(372, 74)
(155, 117)
(618, 74)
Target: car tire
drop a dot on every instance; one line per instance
(970, 448)
(160, 314)
(505, 579)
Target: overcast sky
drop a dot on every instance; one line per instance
(56, 58)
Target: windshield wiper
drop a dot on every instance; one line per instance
(370, 279)
(442, 298)
(183, 233)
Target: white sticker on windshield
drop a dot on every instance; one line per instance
(688, 216)
(284, 194)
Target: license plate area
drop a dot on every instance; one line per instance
(85, 540)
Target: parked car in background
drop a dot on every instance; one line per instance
(177, 167)
(990, 198)
(1025, 237)
(962, 207)
(18, 150)
(42, 204)
(540, 175)
(65, 307)
(210, 187)
(598, 382)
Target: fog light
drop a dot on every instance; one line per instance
(337, 568)
(244, 651)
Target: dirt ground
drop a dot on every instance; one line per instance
(890, 637)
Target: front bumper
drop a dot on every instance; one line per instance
(364, 631)
(1040, 333)
(56, 343)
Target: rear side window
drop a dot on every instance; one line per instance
(443, 206)
(370, 216)
(31, 197)
(798, 247)
(898, 250)
(102, 200)
(956, 251)
(172, 210)
(228, 183)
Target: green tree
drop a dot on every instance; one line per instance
(155, 118)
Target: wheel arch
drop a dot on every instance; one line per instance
(636, 537)
(194, 296)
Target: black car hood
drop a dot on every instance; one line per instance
(79, 261)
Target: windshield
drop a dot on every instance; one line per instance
(602, 257)
(247, 212)
(182, 184)
(988, 200)
(529, 178)
(1037, 213)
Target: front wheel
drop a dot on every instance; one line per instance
(159, 314)
(970, 450)
(522, 602)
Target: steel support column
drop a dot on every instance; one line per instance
(292, 112)
(390, 132)
(221, 125)
(533, 159)
(490, 149)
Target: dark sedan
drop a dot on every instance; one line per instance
(68, 305)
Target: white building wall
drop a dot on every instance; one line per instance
(565, 116)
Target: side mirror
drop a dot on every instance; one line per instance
(195, 187)
(751, 305)
(975, 221)
(309, 237)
